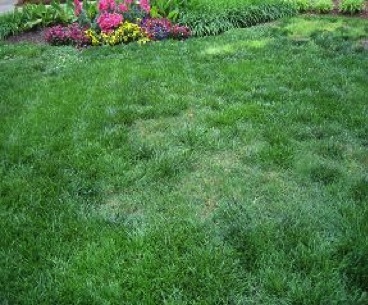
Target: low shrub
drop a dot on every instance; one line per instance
(351, 6)
(157, 28)
(67, 35)
(109, 21)
(180, 32)
(125, 33)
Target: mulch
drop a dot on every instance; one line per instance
(35, 36)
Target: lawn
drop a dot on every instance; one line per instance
(220, 170)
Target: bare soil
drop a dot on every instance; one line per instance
(35, 36)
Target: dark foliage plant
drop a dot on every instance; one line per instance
(180, 32)
(157, 28)
(67, 35)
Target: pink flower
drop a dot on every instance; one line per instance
(106, 5)
(70, 35)
(145, 6)
(109, 21)
(123, 7)
(77, 8)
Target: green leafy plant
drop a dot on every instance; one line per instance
(88, 12)
(322, 6)
(351, 6)
(213, 22)
(10, 24)
(34, 15)
(301, 5)
(31, 16)
(167, 8)
(63, 13)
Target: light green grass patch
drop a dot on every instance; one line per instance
(309, 26)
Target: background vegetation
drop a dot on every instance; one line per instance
(204, 17)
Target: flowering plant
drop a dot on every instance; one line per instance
(63, 35)
(180, 32)
(156, 28)
(125, 33)
(128, 10)
(109, 14)
(77, 7)
(106, 5)
(109, 23)
(85, 12)
(162, 28)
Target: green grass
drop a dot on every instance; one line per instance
(221, 170)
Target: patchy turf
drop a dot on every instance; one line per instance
(222, 170)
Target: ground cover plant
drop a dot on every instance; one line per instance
(223, 170)
(352, 6)
(206, 17)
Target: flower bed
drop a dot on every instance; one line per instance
(110, 23)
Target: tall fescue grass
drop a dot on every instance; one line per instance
(220, 170)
